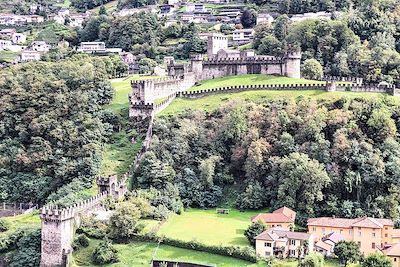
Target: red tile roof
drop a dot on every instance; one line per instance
(393, 250)
(282, 215)
(365, 222)
(323, 245)
(279, 233)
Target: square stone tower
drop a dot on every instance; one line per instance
(216, 42)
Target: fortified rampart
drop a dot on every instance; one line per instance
(58, 224)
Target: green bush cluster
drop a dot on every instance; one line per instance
(104, 253)
(243, 253)
(80, 241)
(3, 226)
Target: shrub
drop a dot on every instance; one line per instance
(3, 226)
(312, 260)
(93, 228)
(104, 253)
(109, 203)
(160, 213)
(28, 250)
(81, 241)
(123, 223)
(254, 230)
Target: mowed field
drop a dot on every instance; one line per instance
(248, 79)
(208, 227)
(141, 253)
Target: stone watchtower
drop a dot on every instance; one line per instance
(197, 65)
(292, 65)
(57, 235)
(216, 42)
(110, 185)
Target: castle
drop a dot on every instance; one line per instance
(220, 62)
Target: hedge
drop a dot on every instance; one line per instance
(243, 253)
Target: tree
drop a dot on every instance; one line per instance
(248, 18)
(312, 69)
(347, 252)
(252, 198)
(124, 221)
(312, 260)
(270, 45)
(102, 10)
(104, 253)
(253, 231)
(376, 260)
(28, 250)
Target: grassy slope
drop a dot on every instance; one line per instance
(212, 102)
(248, 79)
(209, 227)
(21, 221)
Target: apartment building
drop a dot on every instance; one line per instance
(371, 234)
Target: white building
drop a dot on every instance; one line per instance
(5, 44)
(77, 20)
(63, 12)
(40, 46)
(316, 15)
(29, 55)
(97, 48)
(18, 38)
(195, 7)
(282, 243)
(264, 18)
(58, 19)
(243, 35)
(7, 33)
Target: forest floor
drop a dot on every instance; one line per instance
(249, 79)
(208, 227)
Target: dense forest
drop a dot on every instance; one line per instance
(52, 127)
(319, 158)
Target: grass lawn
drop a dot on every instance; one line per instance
(248, 79)
(21, 221)
(212, 102)
(7, 56)
(110, 7)
(209, 227)
(122, 88)
(141, 253)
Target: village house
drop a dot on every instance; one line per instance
(40, 46)
(195, 7)
(97, 48)
(166, 10)
(7, 33)
(326, 245)
(78, 20)
(243, 35)
(283, 218)
(57, 19)
(29, 55)
(63, 12)
(264, 18)
(18, 38)
(5, 44)
(369, 233)
(311, 15)
(393, 252)
(281, 243)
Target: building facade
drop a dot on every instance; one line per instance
(283, 218)
(371, 234)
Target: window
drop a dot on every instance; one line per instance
(278, 225)
(292, 242)
(386, 228)
(292, 252)
(350, 232)
(373, 245)
(395, 259)
(266, 244)
(341, 231)
(267, 253)
(386, 235)
(314, 229)
(359, 243)
(323, 230)
(373, 235)
(359, 233)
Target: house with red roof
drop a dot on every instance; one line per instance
(283, 218)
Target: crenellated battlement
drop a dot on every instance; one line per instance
(243, 61)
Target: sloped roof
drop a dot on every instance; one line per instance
(334, 237)
(289, 234)
(396, 233)
(323, 245)
(282, 215)
(286, 211)
(393, 250)
(366, 222)
(267, 236)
